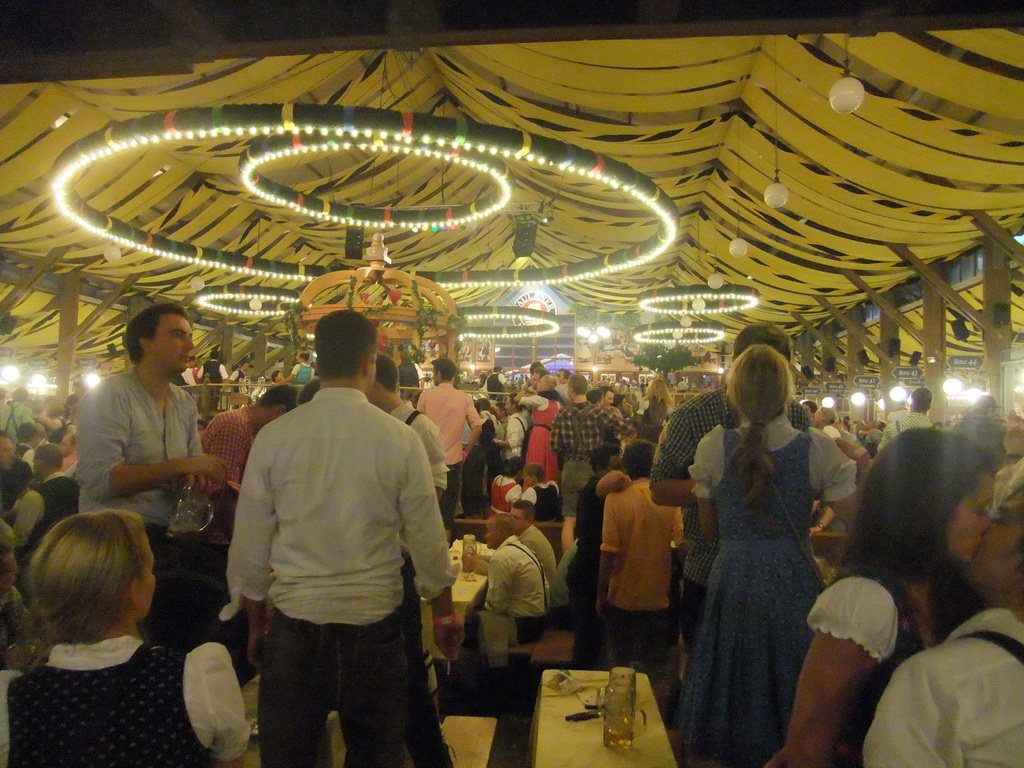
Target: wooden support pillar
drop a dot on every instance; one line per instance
(226, 340)
(805, 352)
(887, 331)
(998, 333)
(133, 306)
(933, 317)
(67, 302)
(259, 353)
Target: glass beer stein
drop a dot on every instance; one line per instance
(620, 708)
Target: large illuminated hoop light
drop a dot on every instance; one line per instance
(679, 301)
(222, 300)
(465, 137)
(508, 323)
(695, 333)
(429, 217)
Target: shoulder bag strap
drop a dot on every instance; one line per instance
(543, 579)
(804, 541)
(412, 417)
(1009, 644)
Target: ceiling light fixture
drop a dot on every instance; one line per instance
(468, 139)
(507, 323)
(698, 299)
(777, 194)
(694, 333)
(847, 93)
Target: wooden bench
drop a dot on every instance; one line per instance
(470, 739)
(553, 650)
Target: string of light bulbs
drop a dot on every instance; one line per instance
(366, 125)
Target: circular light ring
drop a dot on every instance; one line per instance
(532, 323)
(465, 136)
(275, 147)
(695, 333)
(677, 301)
(221, 300)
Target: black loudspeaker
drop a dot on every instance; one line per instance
(525, 239)
(863, 358)
(7, 324)
(807, 372)
(959, 327)
(1001, 314)
(894, 347)
(354, 242)
(830, 365)
(915, 359)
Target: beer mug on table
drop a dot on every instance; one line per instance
(469, 556)
(620, 708)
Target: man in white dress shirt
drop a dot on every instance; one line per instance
(518, 593)
(329, 490)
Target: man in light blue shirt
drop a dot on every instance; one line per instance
(138, 439)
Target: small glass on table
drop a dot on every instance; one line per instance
(469, 557)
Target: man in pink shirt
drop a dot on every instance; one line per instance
(450, 410)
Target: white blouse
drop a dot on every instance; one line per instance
(858, 609)
(213, 699)
(833, 475)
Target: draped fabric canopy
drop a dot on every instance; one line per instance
(939, 138)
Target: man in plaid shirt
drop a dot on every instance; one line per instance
(671, 485)
(230, 436)
(575, 433)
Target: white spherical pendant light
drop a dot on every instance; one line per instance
(686, 321)
(715, 281)
(858, 398)
(256, 305)
(776, 195)
(846, 95)
(739, 247)
(197, 283)
(111, 253)
(698, 304)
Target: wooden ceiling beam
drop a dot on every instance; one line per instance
(106, 304)
(931, 276)
(827, 345)
(884, 305)
(855, 331)
(995, 232)
(20, 290)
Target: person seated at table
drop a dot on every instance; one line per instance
(121, 702)
(961, 703)
(518, 592)
(506, 487)
(523, 515)
(543, 495)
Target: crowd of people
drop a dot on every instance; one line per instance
(332, 510)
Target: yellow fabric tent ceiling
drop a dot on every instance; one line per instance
(940, 135)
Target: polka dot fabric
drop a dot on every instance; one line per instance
(128, 716)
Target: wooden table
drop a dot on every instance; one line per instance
(464, 596)
(556, 743)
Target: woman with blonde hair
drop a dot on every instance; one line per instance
(755, 487)
(122, 703)
(654, 409)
